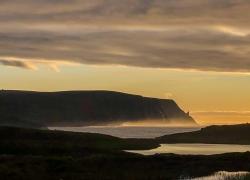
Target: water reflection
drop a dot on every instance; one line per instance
(195, 149)
(223, 175)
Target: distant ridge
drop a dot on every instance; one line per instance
(216, 134)
(81, 108)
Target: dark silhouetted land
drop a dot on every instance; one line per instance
(80, 108)
(28, 154)
(225, 134)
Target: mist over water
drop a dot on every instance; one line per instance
(129, 131)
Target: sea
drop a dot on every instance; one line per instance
(152, 132)
(129, 131)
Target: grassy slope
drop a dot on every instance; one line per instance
(40, 154)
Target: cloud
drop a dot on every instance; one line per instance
(33, 64)
(14, 63)
(208, 35)
(232, 12)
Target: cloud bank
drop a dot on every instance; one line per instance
(208, 35)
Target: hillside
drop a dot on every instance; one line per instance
(27, 154)
(15, 140)
(79, 108)
(226, 134)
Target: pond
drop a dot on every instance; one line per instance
(223, 175)
(194, 149)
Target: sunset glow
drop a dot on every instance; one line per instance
(195, 52)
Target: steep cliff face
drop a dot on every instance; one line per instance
(85, 108)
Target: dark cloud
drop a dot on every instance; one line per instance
(131, 11)
(208, 35)
(15, 63)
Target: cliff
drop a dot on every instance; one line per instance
(79, 108)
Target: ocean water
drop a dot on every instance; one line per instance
(129, 131)
(195, 149)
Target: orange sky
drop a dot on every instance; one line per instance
(210, 97)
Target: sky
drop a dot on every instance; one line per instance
(193, 51)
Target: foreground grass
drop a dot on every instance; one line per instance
(118, 167)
